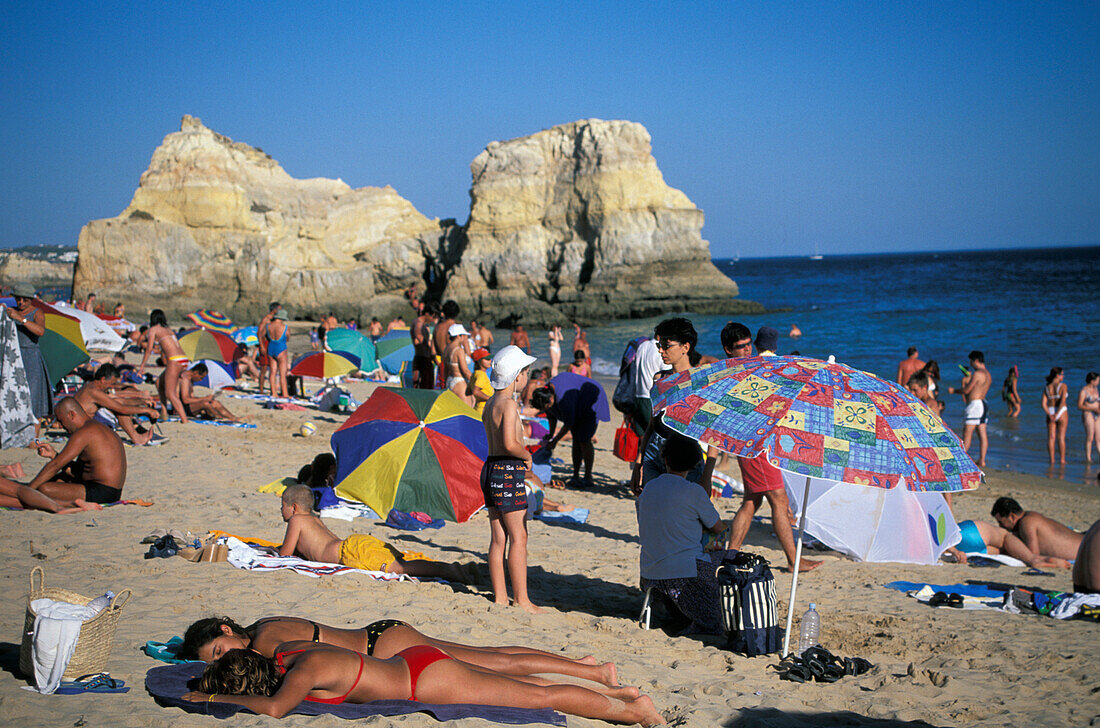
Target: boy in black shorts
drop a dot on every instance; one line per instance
(503, 475)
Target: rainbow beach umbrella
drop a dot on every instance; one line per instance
(324, 365)
(395, 351)
(212, 320)
(62, 345)
(354, 343)
(204, 344)
(413, 450)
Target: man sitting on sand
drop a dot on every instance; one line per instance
(308, 537)
(982, 537)
(194, 406)
(1086, 569)
(1042, 535)
(102, 404)
(89, 470)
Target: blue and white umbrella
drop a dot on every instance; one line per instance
(218, 374)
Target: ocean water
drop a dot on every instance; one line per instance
(1034, 308)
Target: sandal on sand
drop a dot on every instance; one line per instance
(955, 600)
(939, 599)
(101, 682)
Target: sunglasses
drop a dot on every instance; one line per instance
(663, 344)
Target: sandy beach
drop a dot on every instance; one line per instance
(939, 667)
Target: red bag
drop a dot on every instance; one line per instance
(626, 443)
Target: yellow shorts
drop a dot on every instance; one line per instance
(360, 551)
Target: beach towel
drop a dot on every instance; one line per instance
(577, 515)
(260, 558)
(981, 591)
(56, 631)
(168, 684)
(277, 486)
(16, 416)
(216, 423)
(412, 521)
(347, 510)
(1071, 605)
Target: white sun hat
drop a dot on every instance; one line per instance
(507, 364)
(457, 330)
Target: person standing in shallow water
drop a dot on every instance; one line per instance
(1010, 392)
(975, 386)
(910, 365)
(1055, 395)
(1088, 401)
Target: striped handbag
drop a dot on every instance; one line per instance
(750, 615)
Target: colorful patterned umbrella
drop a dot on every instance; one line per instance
(62, 345)
(323, 365)
(218, 374)
(352, 342)
(414, 450)
(204, 344)
(821, 420)
(212, 321)
(394, 350)
(247, 336)
(818, 419)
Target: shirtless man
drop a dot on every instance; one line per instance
(208, 406)
(454, 361)
(974, 388)
(519, 338)
(89, 470)
(441, 338)
(1042, 535)
(375, 329)
(580, 342)
(1086, 569)
(175, 361)
(987, 538)
(423, 346)
(909, 366)
(102, 404)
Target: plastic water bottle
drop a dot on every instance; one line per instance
(101, 602)
(811, 627)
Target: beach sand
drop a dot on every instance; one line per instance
(938, 667)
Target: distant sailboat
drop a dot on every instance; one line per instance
(817, 254)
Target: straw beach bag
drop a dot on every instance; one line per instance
(94, 646)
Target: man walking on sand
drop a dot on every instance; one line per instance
(975, 385)
(909, 366)
(1044, 536)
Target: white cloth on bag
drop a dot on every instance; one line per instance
(56, 631)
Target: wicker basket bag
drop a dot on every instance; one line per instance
(94, 646)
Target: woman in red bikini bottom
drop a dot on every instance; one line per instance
(324, 673)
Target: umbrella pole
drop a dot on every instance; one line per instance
(797, 561)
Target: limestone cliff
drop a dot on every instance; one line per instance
(42, 266)
(571, 223)
(576, 221)
(219, 224)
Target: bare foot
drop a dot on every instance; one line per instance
(588, 660)
(528, 607)
(609, 675)
(805, 565)
(644, 712)
(80, 505)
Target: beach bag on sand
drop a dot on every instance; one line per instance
(626, 443)
(749, 612)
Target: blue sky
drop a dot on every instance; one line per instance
(861, 127)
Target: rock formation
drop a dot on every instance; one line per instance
(42, 266)
(218, 224)
(577, 219)
(571, 223)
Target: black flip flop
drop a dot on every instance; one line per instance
(939, 599)
(955, 600)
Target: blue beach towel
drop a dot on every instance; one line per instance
(168, 683)
(577, 515)
(980, 591)
(404, 521)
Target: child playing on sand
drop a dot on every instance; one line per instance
(503, 475)
(308, 537)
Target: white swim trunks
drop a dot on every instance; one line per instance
(977, 412)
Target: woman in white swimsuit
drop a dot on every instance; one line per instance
(555, 350)
(1088, 401)
(1055, 395)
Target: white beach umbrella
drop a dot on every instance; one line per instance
(98, 334)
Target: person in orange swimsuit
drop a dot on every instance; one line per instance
(309, 671)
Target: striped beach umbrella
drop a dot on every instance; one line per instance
(395, 351)
(62, 345)
(212, 321)
(204, 344)
(413, 450)
(218, 374)
(354, 343)
(323, 365)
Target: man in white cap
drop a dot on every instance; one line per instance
(503, 475)
(454, 359)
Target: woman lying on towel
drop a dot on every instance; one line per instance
(210, 638)
(322, 673)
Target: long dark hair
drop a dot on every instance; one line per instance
(157, 318)
(241, 672)
(207, 630)
(1054, 372)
